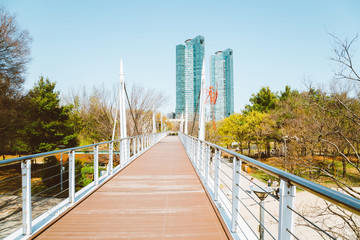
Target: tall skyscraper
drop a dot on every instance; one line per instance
(222, 79)
(189, 60)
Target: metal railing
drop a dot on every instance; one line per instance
(40, 187)
(226, 182)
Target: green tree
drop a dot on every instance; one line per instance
(48, 123)
(260, 127)
(233, 129)
(284, 95)
(264, 101)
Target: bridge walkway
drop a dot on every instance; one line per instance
(158, 196)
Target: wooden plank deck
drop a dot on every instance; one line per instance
(158, 196)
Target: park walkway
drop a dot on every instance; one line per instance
(158, 196)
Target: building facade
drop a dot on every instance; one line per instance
(222, 79)
(189, 60)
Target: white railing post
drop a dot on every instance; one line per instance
(198, 159)
(189, 148)
(207, 162)
(197, 155)
(138, 145)
(111, 158)
(26, 196)
(96, 165)
(128, 149)
(235, 192)
(142, 144)
(121, 153)
(193, 150)
(201, 158)
(134, 147)
(286, 216)
(72, 176)
(217, 175)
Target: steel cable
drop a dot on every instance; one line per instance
(257, 203)
(43, 180)
(36, 205)
(8, 179)
(311, 223)
(255, 218)
(40, 170)
(292, 234)
(6, 194)
(246, 223)
(227, 207)
(49, 188)
(270, 194)
(230, 178)
(226, 185)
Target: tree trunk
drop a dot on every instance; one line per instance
(267, 149)
(357, 150)
(344, 167)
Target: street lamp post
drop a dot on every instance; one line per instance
(285, 151)
(285, 148)
(261, 194)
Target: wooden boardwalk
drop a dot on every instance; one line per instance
(158, 196)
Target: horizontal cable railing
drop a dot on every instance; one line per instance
(39, 187)
(240, 198)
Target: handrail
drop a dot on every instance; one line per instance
(45, 154)
(350, 203)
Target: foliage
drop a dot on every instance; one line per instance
(50, 176)
(264, 101)
(94, 114)
(84, 174)
(47, 124)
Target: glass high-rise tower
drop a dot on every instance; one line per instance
(222, 79)
(189, 60)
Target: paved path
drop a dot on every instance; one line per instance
(158, 196)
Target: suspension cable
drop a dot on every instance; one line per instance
(127, 97)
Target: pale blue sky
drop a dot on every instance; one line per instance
(276, 43)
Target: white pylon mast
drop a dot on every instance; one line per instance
(122, 117)
(202, 104)
(186, 120)
(123, 132)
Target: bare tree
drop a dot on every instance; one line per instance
(336, 118)
(14, 55)
(343, 59)
(96, 112)
(143, 102)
